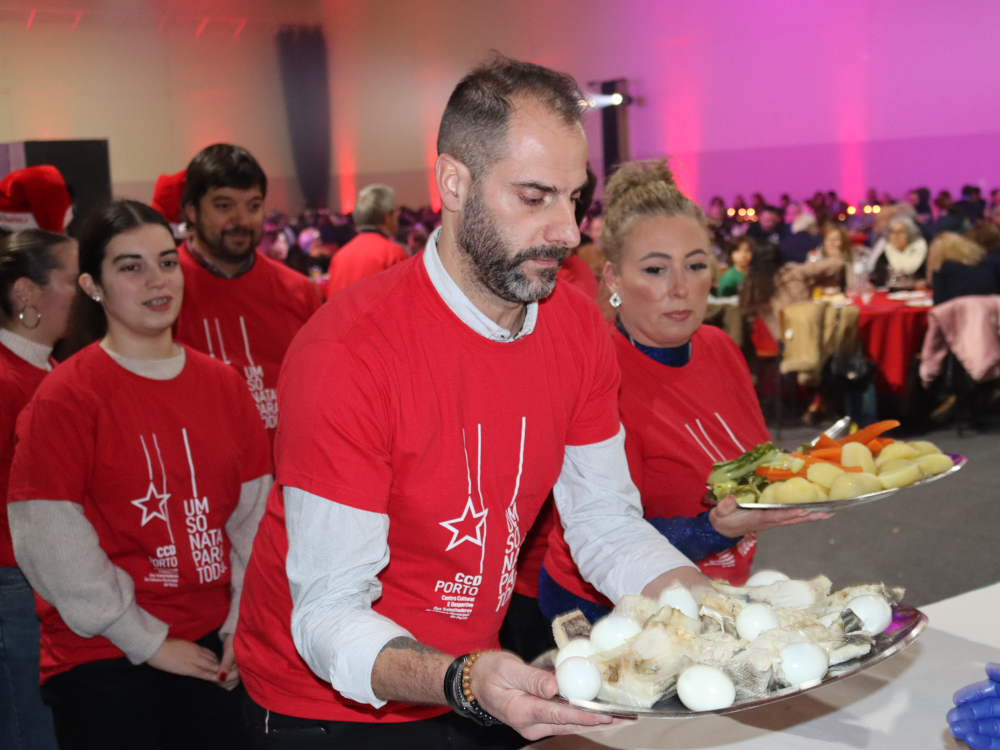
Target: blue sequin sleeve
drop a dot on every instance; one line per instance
(694, 537)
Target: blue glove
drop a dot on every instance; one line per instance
(976, 716)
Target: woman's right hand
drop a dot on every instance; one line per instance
(185, 658)
(729, 519)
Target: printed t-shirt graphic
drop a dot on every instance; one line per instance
(247, 322)
(18, 381)
(678, 422)
(157, 466)
(391, 404)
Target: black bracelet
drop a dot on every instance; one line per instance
(459, 695)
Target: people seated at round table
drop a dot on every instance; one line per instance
(686, 398)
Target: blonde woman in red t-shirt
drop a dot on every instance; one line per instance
(686, 398)
(138, 481)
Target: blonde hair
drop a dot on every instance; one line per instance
(846, 245)
(952, 246)
(639, 190)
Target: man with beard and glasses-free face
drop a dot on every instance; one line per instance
(426, 413)
(239, 306)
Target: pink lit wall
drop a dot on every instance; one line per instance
(772, 96)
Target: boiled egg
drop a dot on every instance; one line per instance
(704, 688)
(578, 678)
(576, 647)
(874, 611)
(802, 662)
(766, 578)
(754, 619)
(613, 631)
(680, 598)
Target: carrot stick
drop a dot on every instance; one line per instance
(877, 444)
(827, 454)
(869, 433)
(780, 475)
(825, 441)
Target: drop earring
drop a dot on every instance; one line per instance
(34, 317)
(615, 300)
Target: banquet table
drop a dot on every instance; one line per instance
(893, 331)
(898, 704)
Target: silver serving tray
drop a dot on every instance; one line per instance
(827, 505)
(907, 624)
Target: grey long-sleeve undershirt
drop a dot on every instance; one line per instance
(59, 553)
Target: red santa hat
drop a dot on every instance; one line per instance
(167, 196)
(35, 198)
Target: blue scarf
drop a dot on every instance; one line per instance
(671, 356)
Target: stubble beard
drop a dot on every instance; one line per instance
(495, 267)
(217, 247)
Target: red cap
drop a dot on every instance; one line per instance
(167, 196)
(35, 198)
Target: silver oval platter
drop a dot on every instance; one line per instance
(907, 624)
(960, 461)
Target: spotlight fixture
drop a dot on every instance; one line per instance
(600, 101)
(876, 209)
(868, 209)
(731, 212)
(751, 212)
(743, 212)
(851, 210)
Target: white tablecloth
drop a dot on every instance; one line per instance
(899, 704)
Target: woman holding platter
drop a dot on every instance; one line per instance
(139, 478)
(686, 397)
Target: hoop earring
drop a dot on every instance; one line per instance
(615, 300)
(35, 316)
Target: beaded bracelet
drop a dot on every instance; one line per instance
(458, 691)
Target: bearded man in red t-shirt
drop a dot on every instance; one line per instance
(427, 411)
(239, 306)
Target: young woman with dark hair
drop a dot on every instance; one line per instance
(38, 271)
(138, 480)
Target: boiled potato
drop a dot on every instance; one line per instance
(853, 484)
(898, 473)
(895, 450)
(823, 492)
(823, 474)
(923, 448)
(856, 454)
(796, 490)
(934, 463)
(887, 467)
(767, 495)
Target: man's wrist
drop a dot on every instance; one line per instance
(458, 691)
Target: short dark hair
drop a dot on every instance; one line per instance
(88, 322)
(27, 254)
(221, 165)
(475, 121)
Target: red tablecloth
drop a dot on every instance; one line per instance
(893, 332)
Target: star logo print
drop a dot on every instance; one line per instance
(461, 528)
(147, 514)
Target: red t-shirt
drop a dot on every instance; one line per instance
(18, 381)
(575, 271)
(391, 404)
(533, 549)
(247, 322)
(678, 422)
(157, 466)
(368, 253)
